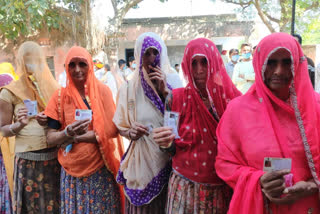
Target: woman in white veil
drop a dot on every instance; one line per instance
(144, 169)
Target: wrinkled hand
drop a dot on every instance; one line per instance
(273, 184)
(42, 119)
(298, 191)
(163, 136)
(66, 143)
(159, 76)
(22, 116)
(137, 130)
(78, 127)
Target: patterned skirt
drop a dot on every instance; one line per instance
(97, 193)
(188, 197)
(156, 206)
(36, 186)
(5, 198)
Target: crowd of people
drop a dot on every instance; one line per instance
(232, 117)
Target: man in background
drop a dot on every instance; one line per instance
(243, 75)
(234, 57)
(110, 79)
(177, 67)
(132, 65)
(122, 68)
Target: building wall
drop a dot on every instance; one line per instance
(176, 32)
(175, 54)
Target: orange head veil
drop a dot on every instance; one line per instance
(100, 99)
(102, 107)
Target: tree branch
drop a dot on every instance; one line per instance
(313, 5)
(271, 18)
(263, 18)
(283, 25)
(129, 4)
(114, 5)
(242, 4)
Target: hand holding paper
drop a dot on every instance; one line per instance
(32, 107)
(171, 119)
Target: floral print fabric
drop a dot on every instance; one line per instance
(97, 193)
(36, 186)
(187, 197)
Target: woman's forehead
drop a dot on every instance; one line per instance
(29, 55)
(280, 54)
(78, 59)
(151, 48)
(198, 58)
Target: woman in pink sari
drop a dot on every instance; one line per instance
(194, 186)
(278, 117)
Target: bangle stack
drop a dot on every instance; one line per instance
(11, 130)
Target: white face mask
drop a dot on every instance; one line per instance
(31, 67)
(134, 66)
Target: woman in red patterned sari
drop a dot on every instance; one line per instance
(194, 186)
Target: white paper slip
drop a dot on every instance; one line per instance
(150, 128)
(171, 119)
(31, 106)
(275, 164)
(83, 114)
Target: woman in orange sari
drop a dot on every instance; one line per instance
(88, 170)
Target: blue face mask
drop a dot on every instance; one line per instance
(235, 58)
(134, 65)
(246, 55)
(124, 68)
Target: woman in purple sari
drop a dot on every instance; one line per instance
(144, 169)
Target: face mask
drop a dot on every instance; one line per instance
(235, 58)
(124, 68)
(31, 67)
(134, 65)
(246, 55)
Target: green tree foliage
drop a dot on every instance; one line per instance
(276, 14)
(20, 19)
(311, 34)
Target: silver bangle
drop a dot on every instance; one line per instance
(66, 131)
(11, 130)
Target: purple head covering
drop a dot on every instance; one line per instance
(150, 42)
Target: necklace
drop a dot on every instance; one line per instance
(202, 97)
